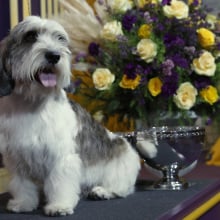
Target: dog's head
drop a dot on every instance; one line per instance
(36, 56)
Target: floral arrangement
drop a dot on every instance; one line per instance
(145, 56)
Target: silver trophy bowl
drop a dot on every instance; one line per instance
(177, 151)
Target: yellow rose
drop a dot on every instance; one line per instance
(111, 30)
(154, 86)
(120, 5)
(185, 96)
(127, 83)
(205, 37)
(205, 64)
(177, 9)
(209, 94)
(144, 31)
(102, 78)
(147, 50)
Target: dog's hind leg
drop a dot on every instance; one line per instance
(119, 177)
(62, 187)
(25, 195)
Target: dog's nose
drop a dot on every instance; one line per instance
(52, 57)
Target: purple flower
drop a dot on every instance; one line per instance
(170, 85)
(167, 67)
(171, 40)
(181, 61)
(128, 21)
(168, 64)
(209, 121)
(130, 70)
(190, 50)
(122, 38)
(166, 2)
(202, 82)
(124, 50)
(195, 3)
(80, 56)
(218, 46)
(169, 89)
(139, 69)
(147, 17)
(93, 49)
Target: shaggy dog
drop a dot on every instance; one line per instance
(46, 142)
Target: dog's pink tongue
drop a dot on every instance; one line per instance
(48, 79)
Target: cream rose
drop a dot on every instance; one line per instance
(142, 3)
(185, 96)
(147, 50)
(211, 19)
(177, 9)
(205, 64)
(99, 116)
(111, 30)
(102, 78)
(120, 5)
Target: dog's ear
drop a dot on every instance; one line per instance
(7, 84)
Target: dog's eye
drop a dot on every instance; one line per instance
(30, 37)
(61, 38)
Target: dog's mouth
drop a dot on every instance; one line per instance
(47, 77)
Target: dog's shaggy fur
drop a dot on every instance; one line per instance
(45, 141)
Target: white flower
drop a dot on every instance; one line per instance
(185, 96)
(120, 5)
(177, 9)
(142, 3)
(211, 19)
(98, 116)
(147, 49)
(205, 64)
(102, 78)
(111, 30)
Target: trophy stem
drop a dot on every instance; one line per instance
(171, 179)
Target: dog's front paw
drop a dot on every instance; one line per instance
(15, 205)
(58, 209)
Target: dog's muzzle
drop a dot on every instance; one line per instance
(47, 76)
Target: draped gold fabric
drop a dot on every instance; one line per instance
(215, 154)
(91, 2)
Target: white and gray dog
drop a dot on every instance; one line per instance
(46, 142)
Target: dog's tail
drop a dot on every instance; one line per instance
(146, 148)
(141, 143)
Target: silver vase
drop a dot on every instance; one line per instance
(178, 150)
